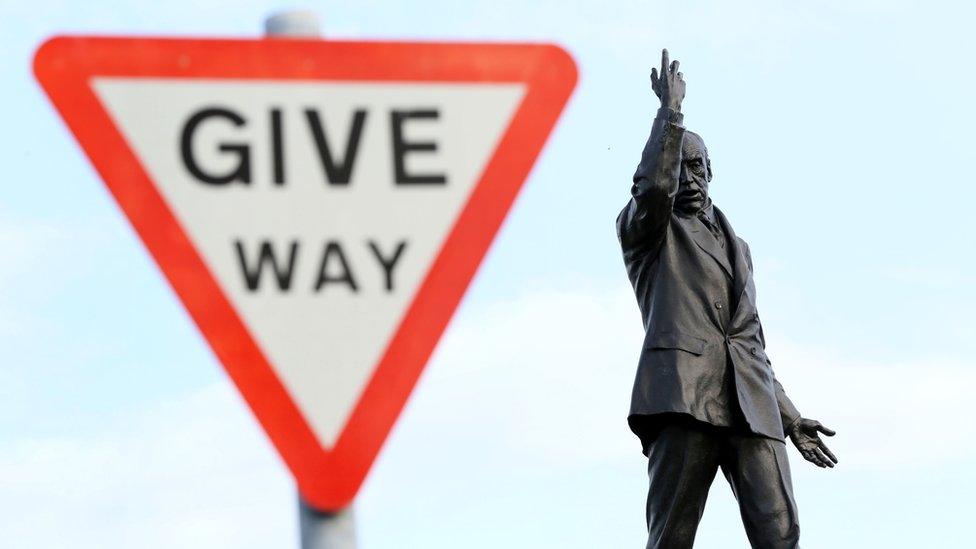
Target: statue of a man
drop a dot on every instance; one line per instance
(705, 396)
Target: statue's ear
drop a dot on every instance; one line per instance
(708, 164)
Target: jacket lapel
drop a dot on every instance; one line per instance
(706, 241)
(741, 267)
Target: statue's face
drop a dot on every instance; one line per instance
(695, 174)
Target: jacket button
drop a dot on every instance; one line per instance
(718, 305)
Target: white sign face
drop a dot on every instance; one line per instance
(318, 207)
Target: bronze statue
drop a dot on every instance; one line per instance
(705, 396)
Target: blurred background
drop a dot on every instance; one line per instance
(840, 136)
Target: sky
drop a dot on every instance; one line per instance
(839, 137)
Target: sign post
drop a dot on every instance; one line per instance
(317, 529)
(318, 206)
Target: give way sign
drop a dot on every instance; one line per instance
(319, 207)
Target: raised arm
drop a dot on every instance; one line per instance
(643, 222)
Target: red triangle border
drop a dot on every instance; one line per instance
(327, 478)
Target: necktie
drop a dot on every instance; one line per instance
(713, 227)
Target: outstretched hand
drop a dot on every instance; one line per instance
(805, 436)
(669, 85)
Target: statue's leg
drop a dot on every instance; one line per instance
(682, 462)
(759, 473)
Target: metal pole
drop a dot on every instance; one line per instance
(319, 529)
(326, 530)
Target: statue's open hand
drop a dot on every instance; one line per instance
(805, 435)
(669, 85)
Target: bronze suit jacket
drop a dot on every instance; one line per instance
(699, 310)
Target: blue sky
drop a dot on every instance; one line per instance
(840, 138)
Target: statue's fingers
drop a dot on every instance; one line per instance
(827, 452)
(674, 66)
(681, 76)
(664, 63)
(823, 429)
(654, 77)
(818, 458)
(823, 458)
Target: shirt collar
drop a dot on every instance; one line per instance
(709, 210)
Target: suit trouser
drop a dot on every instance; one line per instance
(682, 462)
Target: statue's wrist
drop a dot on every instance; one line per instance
(670, 115)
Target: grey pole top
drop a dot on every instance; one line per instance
(293, 24)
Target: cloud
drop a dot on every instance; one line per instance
(524, 406)
(889, 416)
(524, 399)
(520, 368)
(185, 472)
